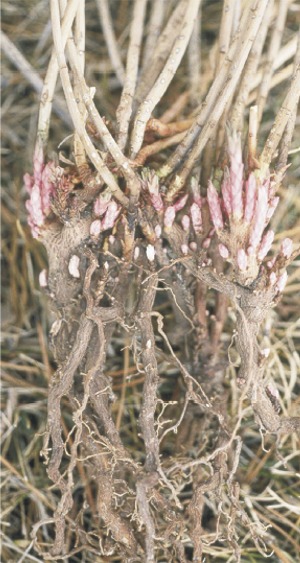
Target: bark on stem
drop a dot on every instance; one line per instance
(60, 386)
(151, 374)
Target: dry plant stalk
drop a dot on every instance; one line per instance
(119, 234)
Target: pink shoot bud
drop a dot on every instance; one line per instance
(73, 266)
(193, 246)
(180, 203)
(226, 192)
(101, 203)
(206, 242)
(242, 259)
(152, 182)
(186, 222)
(282, 281)
(265, 245)
(236, 193)
(111, 215)
(286, 247)
(47, 187)
(95, 228)
(196, 217)
(43, 278)
(38, 163)
(224, 252)
(214, 206)
(157, 202)
(272, 206)
(260, 215)
(157, 231)
(169, 217)
(271, 262)
(40, 187)
(34, 208)
(197, 199)
(150, 251)
(184, 249)
(273, 278)
(250, 197)
(28, 182)
(250, 250)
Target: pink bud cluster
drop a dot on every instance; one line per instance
(41, 188)
(277, 277)
(171, 210)
(167, 214)
(106, 208)
(150, 182)
(101, 203)
(241, 214)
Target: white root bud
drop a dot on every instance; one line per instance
(73, 266)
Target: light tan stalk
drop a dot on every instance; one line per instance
(124, 110)
(165, 77)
